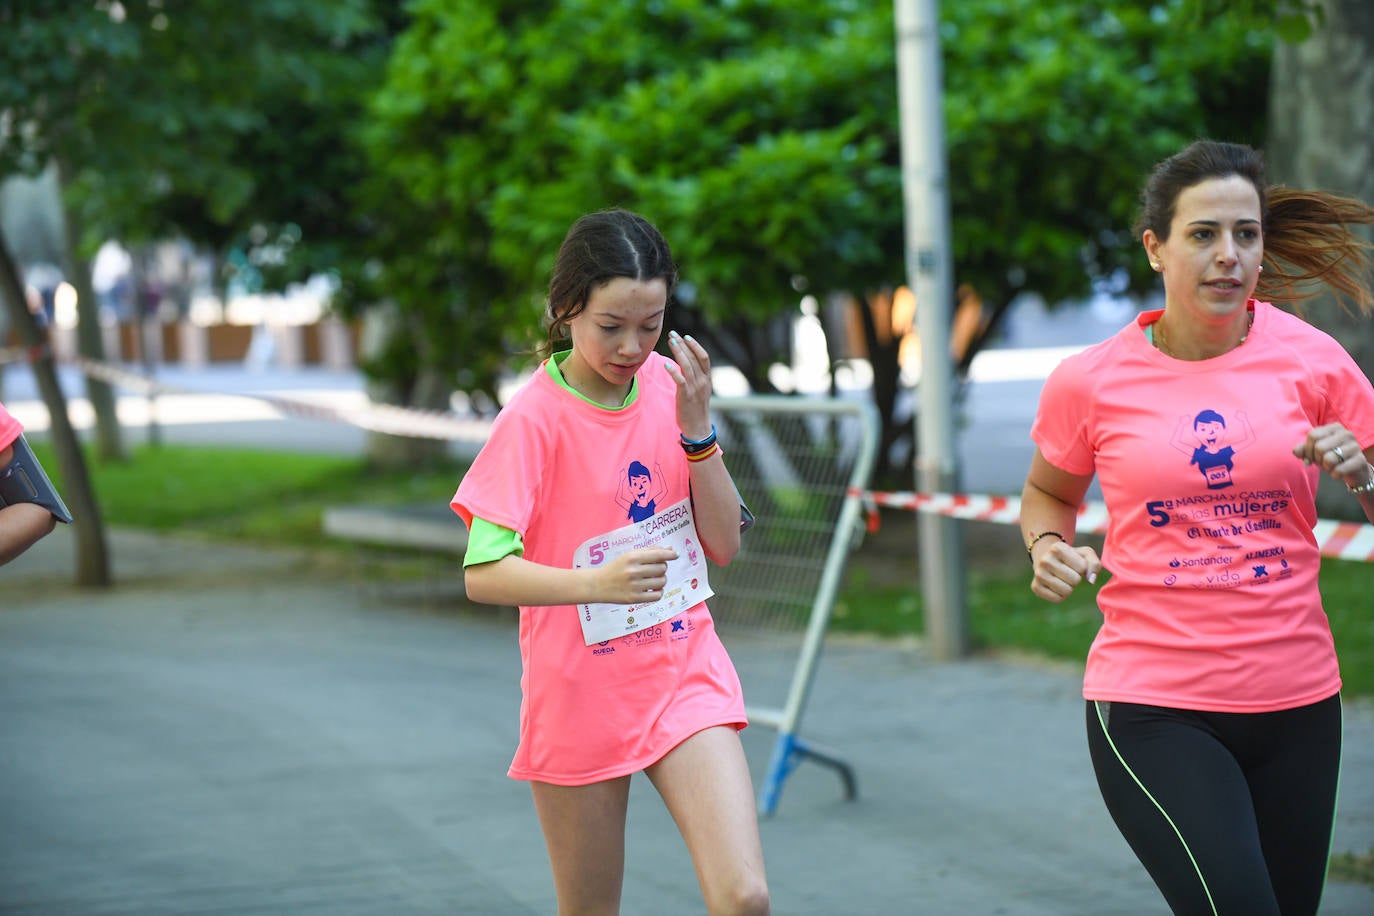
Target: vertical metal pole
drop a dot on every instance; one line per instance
(149, 327)
(925, 197)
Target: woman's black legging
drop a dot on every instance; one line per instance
(1231, 813)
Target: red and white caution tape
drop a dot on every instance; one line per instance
(1003, 510)
(1343, 540)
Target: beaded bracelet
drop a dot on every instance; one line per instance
(1035, 540)
(1366, 487)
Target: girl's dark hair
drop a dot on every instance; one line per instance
(598, 248)
(1307, 234)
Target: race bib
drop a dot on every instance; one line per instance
(687, 582)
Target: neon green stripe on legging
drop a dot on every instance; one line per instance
(1097, 705)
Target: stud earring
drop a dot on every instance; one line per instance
(1155, 265)
(1260, 269)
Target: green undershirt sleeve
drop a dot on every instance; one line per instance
(489, 542)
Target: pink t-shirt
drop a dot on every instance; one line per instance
(552, 471)
(1212, 602)
(9, 428)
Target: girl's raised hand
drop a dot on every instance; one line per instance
(691, 369)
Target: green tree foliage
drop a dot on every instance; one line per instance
(763, 138)
(1293, 21)
(1055, 112)
(225, 124)
(745, 130)
(230, 123)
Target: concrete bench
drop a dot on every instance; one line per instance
(421, 526)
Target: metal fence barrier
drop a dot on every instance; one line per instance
(801, 465)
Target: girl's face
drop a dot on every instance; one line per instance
(613, 336)
(1211, 259)
(639, 489)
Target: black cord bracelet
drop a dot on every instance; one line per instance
(1035, 540)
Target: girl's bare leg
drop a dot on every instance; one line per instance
(706, 785)
(584, 829)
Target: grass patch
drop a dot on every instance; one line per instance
(1345, 586)
(254, 494)
(1352, 867)
(1003, 614)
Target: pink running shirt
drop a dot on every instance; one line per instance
(554, 471)
(1212, 602)
(9, 428)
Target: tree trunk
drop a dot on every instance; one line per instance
(1321, 135)
(88, 341)
(92, 557)
(883, 347)
(427, 391)
(393, 452)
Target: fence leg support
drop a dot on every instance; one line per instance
(788, 753)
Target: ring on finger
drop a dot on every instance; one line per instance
(1340, 455)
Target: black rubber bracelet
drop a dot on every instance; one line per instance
(693, 446)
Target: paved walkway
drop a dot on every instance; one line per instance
(233, 731)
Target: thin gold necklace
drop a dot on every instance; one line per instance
(1162, 343)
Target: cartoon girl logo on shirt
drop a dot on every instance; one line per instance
(1209, 445)
(637, 493)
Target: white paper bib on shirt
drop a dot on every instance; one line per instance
(687, 581)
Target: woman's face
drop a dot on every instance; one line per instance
(1211, 259)
(613, 336)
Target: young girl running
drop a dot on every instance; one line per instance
(610, 685)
